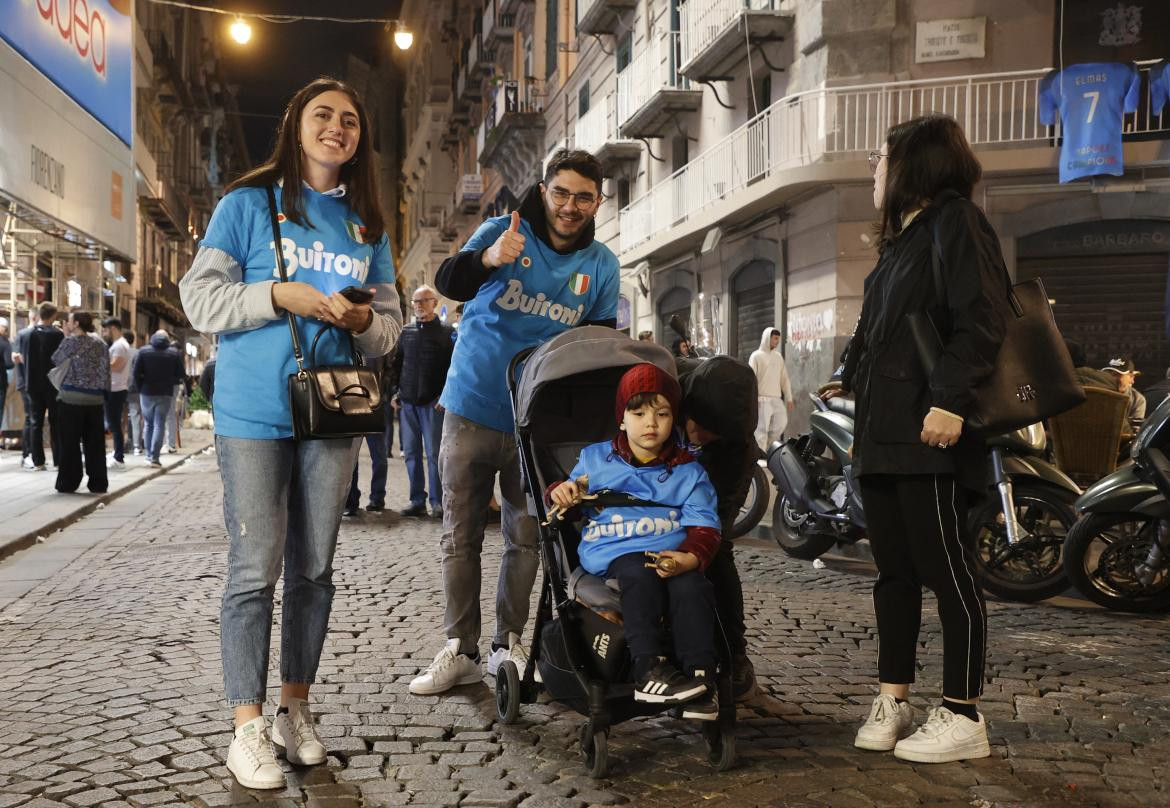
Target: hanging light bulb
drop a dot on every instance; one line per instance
(403, 38)
(241, 32)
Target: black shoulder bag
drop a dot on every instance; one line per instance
(1033, 377)
(331, 401)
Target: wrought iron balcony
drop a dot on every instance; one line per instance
(597, 132)
(651, 91)
(716, 32)
(601, 16)
(996, 110)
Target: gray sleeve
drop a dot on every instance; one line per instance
(217, 301)
(379, 339)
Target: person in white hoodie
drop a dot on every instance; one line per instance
(775, 390)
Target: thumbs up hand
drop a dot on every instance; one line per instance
(507, 247)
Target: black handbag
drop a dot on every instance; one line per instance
(1033, 376)
(331, 401)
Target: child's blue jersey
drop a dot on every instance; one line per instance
(1092, 100)
(521, 305)
(685, 490)
(1159, 87)
(252, 367)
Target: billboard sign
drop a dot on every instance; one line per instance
(85, 47)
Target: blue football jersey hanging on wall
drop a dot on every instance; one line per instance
(1092, 100)
(1159, 87)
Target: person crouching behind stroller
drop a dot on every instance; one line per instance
(648, 462)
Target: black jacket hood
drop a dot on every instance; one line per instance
(719, 394)
(532, 211)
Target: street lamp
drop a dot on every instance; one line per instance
(241, 32)
(403, 37)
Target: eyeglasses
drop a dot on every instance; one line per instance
(875, 157)
(421, 300)
(582, 200)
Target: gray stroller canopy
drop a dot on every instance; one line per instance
(574, 364)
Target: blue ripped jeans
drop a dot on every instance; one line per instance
(282, 503)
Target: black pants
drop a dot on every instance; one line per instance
(82, 428)
(687, 599)
(916, 529)
(42, 403)
(724, 577)
(115, 406)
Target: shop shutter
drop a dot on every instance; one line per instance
(754, 293)
(1113, 305)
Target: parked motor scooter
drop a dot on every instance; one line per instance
(819, 505)
(1118, 552)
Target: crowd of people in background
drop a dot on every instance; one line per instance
(77, 380)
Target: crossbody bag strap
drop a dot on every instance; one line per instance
(279, 251)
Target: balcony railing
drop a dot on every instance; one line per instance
(702, 21)
(512, 95)
(597, 127)
(653, 70)
(496, 24)
(996, 109)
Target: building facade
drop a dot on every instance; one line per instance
(128, 157)
(735, 135)
(188, 144)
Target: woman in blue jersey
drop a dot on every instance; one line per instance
(282, 497)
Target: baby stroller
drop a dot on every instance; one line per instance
(562, 396)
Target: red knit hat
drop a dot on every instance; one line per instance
(647, 378)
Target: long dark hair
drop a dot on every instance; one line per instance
(924, 156)
(359, 174)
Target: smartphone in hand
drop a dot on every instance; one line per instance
(355, 294)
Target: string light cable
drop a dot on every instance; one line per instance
(242, 33)
(276, 18)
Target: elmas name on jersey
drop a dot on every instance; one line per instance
(620, 528)
(514, 299)
(317, 259)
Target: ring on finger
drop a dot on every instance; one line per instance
(943, 445)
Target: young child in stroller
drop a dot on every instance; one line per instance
(657, 552)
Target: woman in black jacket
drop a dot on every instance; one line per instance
(915, 462)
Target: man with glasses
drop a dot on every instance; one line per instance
(527, 277)
(420, 365)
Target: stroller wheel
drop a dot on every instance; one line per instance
(595, 750)
(720, 745)
(507, 692)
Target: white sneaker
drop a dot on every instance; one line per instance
(887, 724)
(449, 669)
(251, 758)
(294, 733)
(515, 652)
(945, 737)
(115, 464)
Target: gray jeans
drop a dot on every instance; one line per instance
(469, 457)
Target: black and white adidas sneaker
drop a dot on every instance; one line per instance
(663, 684)
(705, 707)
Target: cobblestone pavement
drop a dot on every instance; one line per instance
(111, 676)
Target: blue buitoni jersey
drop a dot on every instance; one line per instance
(521, 305)
(685, 492)
(253, 366)
(1092, 100)
(1159, 87)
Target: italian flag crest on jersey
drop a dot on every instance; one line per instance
(578, 283)
(356, 232)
